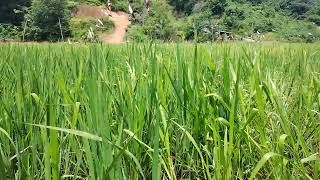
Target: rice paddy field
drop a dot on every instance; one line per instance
(169, 111)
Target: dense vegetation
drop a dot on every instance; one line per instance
(80, 27)
(49, 20)
(11, 11)
(169, 20)
(277, 20)
(11, 18)
(231, 111)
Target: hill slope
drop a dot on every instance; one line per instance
(169, 20)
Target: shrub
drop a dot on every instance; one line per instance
(8, 31)
(315, 19)
(217, 6)
(80, 26)
(91, 2)
(136, 33)
(122, 5)
(159, 24)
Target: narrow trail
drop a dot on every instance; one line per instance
(121, 23)
(120, 20)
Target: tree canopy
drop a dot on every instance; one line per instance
(11, 11)
(49, 20)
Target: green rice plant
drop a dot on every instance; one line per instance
(160, 111)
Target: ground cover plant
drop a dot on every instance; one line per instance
(170, 111)
(81, 26)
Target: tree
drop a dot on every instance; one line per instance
(297, 8)
(159, 24)
(217, 6)
(183, 6)
(49, 20)
(9, 11)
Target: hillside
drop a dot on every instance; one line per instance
(173, 20)
(275, 19)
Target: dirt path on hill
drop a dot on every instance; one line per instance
(120, 20)
(121, 23)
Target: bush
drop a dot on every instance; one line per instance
(264, 25)
(199, 21)
(91, 2)
(159, 24)
(237, 12)
(315, 19)
(8, 31)
(298, 31)
(122, 5)
(217, 6)
(136, 33)
(80, 27)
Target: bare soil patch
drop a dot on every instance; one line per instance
(120, 20)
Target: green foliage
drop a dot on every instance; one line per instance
(89, 2)
(234, 16)
(8, 31)
(315, 19)
(160, 22)
(80, 27)
(11, 17)
(136, 34)
(193, 19)
(160, 111)
(49, 20)
(183, 6)
(201, 23)
(301, 9)
(217, 7)
(122, 5)
(298, 31)
(261, 18)
(72, 4)
(246, 18)
(297, 8)
(12, 11)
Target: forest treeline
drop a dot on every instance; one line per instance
(169, 20)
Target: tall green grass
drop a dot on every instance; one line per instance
(171, 111)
